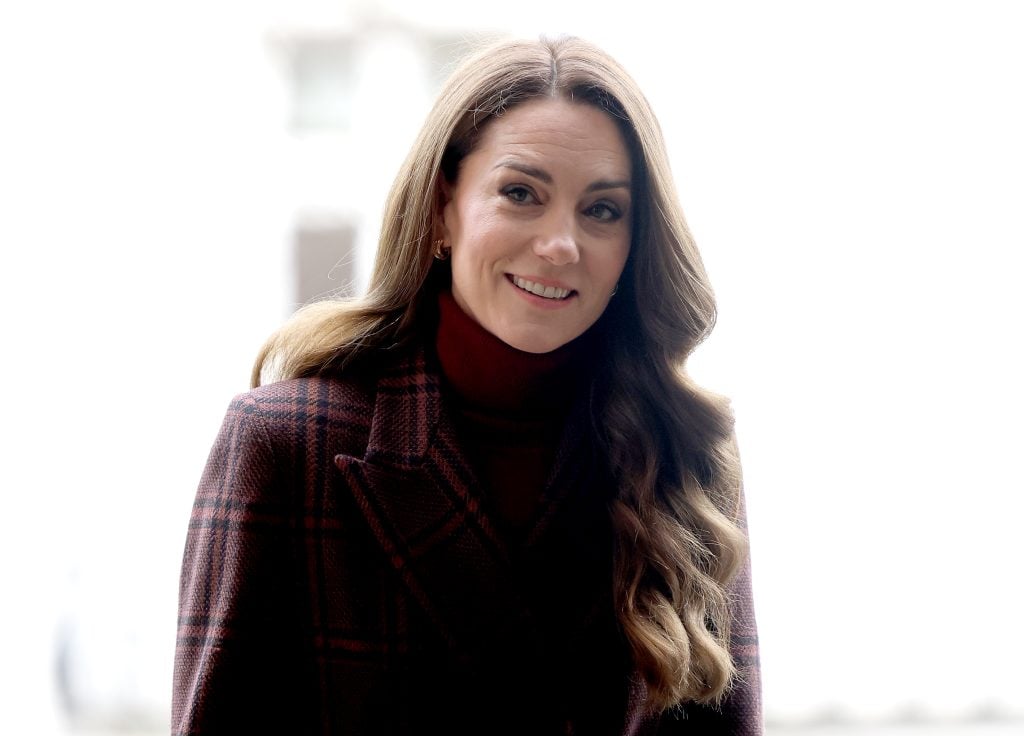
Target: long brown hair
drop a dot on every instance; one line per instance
(669, 443)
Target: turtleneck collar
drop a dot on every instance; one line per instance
(490, 375)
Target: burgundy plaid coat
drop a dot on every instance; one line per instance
(342, 575)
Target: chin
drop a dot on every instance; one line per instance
(530, 343)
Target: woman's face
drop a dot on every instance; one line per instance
(538, 223)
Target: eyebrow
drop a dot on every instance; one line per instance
(600, 185)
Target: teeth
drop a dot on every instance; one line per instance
(548, 292)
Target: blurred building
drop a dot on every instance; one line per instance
(329, 99)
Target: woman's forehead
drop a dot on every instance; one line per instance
(576, 134)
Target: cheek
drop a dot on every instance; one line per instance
(481, 242)
(474, 258)
(614, 262)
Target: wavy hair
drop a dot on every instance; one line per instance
(675, 517)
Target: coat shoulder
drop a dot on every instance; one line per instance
(335, 411)
(315, 394)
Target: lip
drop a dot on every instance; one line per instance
(539, 301)
(539, 280)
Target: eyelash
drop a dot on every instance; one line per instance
(519, 194)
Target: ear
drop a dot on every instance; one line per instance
(442, 198)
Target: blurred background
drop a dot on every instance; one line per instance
(177, 177)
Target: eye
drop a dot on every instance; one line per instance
(604, 212)
(518, 193)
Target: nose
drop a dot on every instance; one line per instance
(557, 242)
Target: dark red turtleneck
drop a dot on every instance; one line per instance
(510, 407)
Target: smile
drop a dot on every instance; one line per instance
(548, 292)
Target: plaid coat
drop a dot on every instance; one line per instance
(342, 575)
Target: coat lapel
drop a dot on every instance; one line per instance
(539, 615)
(421, 499)
(414, 488)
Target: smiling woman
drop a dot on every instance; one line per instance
(538, 223)
(485, 497)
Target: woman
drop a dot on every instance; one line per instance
(485, 498)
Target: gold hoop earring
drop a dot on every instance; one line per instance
(440, 252)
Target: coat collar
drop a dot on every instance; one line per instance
(417, 490)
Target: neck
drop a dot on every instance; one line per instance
(510, 408)
(493, 376)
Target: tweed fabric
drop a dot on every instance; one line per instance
(343, 575)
